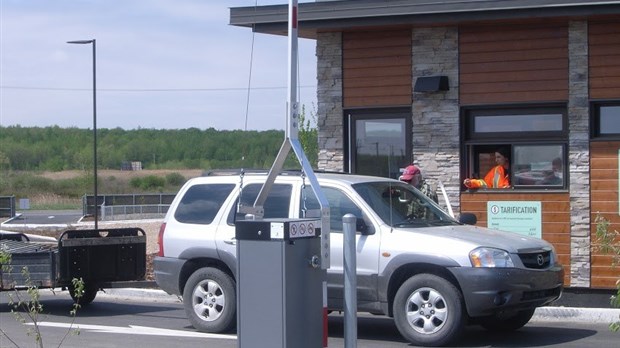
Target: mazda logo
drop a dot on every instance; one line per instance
(540, 259)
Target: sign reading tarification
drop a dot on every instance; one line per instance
(515, 216)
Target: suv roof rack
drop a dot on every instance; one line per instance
(235, 171)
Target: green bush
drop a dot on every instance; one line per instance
(148, 182)
(74, 187)
(31, 184)
(136, 182)
(175, 179)
(608, 242)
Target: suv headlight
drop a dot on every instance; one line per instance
(490, 257)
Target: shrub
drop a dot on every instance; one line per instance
(31, 183)
(135, 182)
(73, 187)
(148, 182)
(175, 179)
(609, 243)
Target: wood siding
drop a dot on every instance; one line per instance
(376, 68)
(604, 201)
(513, 63)
(555, 217)
(604, 63)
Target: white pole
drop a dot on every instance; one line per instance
(350, 281)
(445, 197)
(292, 129)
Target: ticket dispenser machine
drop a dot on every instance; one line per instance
(279, 283)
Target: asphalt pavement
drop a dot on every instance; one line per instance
(574, 305)
(45, 217)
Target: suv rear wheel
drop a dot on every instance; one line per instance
(210, 300)
(428, 310)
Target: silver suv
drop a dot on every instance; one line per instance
(431, 273)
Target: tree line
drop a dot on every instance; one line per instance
(56, 149)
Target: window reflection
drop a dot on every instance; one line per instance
(518, 123)
(538, 165)
(380, 146)
(609, 120)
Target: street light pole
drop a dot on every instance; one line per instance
(85, 42)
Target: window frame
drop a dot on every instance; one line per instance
(595, 120)
(470, 115)
(475, 143)
(351, 115)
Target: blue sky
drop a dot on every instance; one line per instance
(160, 64)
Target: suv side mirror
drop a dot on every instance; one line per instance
(468, 218)
(363, 228)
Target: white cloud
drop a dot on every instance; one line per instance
(142, 45)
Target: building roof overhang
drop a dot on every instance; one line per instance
(344, 15)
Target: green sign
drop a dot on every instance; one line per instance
(515, 216)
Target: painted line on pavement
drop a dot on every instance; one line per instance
(134, 330)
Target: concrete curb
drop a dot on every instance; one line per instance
(152, 295)
(549, 313)
(572, 314)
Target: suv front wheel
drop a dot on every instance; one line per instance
(210, 300)
(428, 310)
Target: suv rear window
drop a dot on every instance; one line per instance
(276, 205)
(201, 203)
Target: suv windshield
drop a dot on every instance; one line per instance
(401, 205)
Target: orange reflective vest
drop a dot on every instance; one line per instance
(495, 178)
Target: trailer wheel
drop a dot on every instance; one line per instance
(210, 301)
(88, 296)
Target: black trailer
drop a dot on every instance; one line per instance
(99, 257)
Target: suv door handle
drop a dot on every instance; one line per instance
(231, 241)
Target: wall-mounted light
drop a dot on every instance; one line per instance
(431, 84)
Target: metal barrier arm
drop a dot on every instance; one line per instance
(292, 140)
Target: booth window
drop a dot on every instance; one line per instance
(535, 137)
(606, 120)
(378, 141)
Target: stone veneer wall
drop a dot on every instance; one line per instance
(579, 150)
(329, 96)
(436, 115)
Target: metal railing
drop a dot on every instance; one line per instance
(116, 212)
(113, 207)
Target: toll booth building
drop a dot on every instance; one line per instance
(447, 82)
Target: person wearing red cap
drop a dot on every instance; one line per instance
(413, 176)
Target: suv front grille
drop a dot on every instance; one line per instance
(537, 260)
(541, 294)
